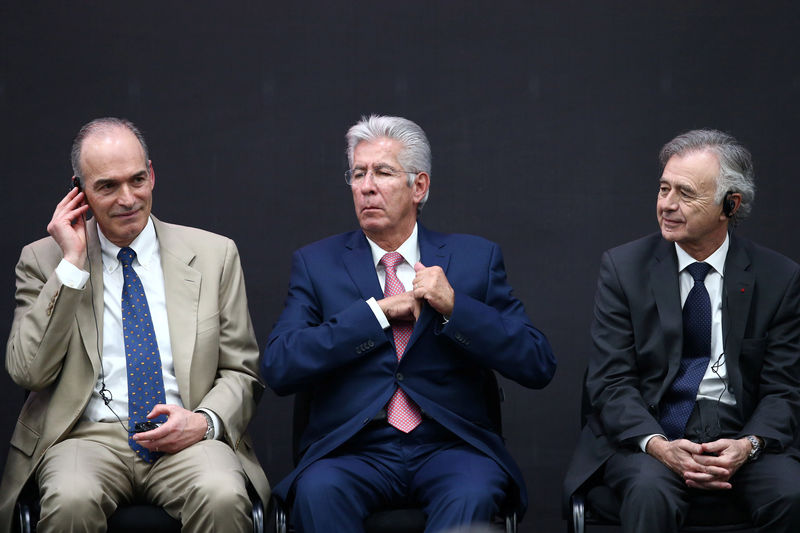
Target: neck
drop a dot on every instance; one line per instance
(390, 240)
(702, 251)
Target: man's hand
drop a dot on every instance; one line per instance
(727, 456)
(182, 429)
(431, 285)
(680, 456)
(67, 227)
(402, 307)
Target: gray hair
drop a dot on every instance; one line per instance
(416, 153)
(735, 164)
(102, 125)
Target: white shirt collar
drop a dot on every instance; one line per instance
(716, 260)
(409, 249)
(144, 245)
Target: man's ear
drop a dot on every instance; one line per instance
(421, 183)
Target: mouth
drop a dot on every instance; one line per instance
(126, 214)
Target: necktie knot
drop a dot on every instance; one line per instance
(698, 271)
(126, 256)
(391, 260)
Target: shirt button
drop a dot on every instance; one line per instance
(399, 376)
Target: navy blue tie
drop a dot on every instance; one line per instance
(678, 402)
(143, 361)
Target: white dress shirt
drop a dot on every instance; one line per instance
(147, 265)
(405, 270)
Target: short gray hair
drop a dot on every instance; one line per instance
(101, 125)
(416, 153)
(735, 164)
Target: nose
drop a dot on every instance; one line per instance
(669, 202)
(367, 184)
(125, 196)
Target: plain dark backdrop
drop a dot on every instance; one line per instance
(545, 120)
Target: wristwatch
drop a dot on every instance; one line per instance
(755, 451)
(210, 431)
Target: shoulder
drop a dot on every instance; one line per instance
(640, 250)
(44, 252)
(334, 244)
(176, 239)
(763, 260)
(457, 241)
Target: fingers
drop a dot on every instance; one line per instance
(710, 485)
(431, 284)
(67, 226)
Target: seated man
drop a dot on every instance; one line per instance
(98, 367)
(695, 381)
(390, 329)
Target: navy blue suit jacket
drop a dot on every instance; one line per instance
(328, 342)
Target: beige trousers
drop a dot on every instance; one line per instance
(84, 478)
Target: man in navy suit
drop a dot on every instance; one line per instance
(391, 329)
(671, 416)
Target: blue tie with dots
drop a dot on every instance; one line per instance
(679, 400)
(145, 384)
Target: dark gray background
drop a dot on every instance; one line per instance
(545, 120)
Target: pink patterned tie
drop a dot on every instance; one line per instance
(401, 412)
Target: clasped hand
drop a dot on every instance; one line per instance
(430, 285)
(706, 466)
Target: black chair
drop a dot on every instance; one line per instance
(596, 504)
(130, 518)
(404, 519)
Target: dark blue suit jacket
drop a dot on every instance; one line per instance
(328, 342)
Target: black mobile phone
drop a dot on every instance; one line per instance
(76, 182)
(147, 425)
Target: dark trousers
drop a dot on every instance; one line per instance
(454, 483)
(656, 499)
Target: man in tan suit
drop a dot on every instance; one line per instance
(75, 439)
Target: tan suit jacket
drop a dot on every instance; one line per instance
(53, 347)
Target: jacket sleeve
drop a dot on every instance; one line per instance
(496, 332)
(304, 346)
(237, 387)
(43, 323)
(776, 412)
(613, 380)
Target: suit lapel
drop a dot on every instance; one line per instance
(432, 252)
(666, 292)
(359, 265)
(737, 293)
(182, 293)
(92, 308)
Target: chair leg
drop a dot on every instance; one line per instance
(511, 522)
(578, 518)
(280, 519)
(258, 516)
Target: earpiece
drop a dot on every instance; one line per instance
(728, 204)
(76, 182)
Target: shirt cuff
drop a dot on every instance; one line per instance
(643, 442)
(217, 423)
(378, 312)
(71, 276)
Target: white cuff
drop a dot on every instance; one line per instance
(644, 440)
(71, 276)
(378, 312)
(217, 423)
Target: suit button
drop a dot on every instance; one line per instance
(399, 376)
(370, 344)
(365, 421)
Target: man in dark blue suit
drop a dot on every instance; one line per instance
(391, 330)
